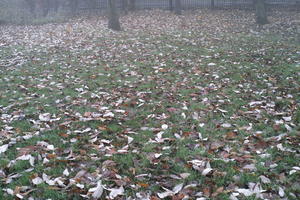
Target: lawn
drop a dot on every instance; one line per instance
(199, 106)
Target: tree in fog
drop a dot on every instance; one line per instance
(92, 3)
(128, 5)
(113, 16)
(131, 5)
(212, 4)
(73, 6)
(55, 5)
(3, 6)
(40, 8)
(31, 6)
(260, 12)
(43, 7)
(178, 7)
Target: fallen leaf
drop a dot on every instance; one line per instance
(231, 135)
(206, 192)
(218, 191)
(3, 148)
(37, 181)
(27, 157)
(250, 167)
(45, 117)
(178, 188)
(281, 192)
(264, 179)
(66, 172)
(116, 192)
(185, 175)
(165, 194)
(246, 192)
(226, 125)
(179, 196)
(144, 185)
(97, 191)
(211, 64)
(164, 127)
(206, 171)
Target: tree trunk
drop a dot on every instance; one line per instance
(260, 12)
(31, 6)
(125, 6)
(73, 6)
(46, 7)
(113, 16)
(178, 7)
(92, 3)
(39, 8)
(131, 5)
(212, 4)
(55, 5)
(171, 5)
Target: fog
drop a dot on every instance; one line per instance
(30, 11)
(149, 99)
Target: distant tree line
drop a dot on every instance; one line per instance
(114, 23)
(129, 5)
(41, 8)
(260, 12)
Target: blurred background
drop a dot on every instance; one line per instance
(44, 11)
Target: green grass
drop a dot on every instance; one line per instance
(245, 75)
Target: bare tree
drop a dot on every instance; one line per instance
(31, 6)
(45, 7)
(73, 5)
(55, 5)
(131, 5)
(178, 7)
(260, 12)
(92, 3)
(39, 8)
(125, 6)
(212, 4)
(113, 16)
(171, 5)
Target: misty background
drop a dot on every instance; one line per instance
(43, 11)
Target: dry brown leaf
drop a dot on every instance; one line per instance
(218, 191)
(179, 196)
(154, 198)
(51, 156)
(206, 192)
(144, 185)
(231, 135)
(87, 114)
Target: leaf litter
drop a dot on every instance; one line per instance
(165, 109)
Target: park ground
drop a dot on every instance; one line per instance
(199, 106)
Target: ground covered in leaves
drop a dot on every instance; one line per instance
(199, 106)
